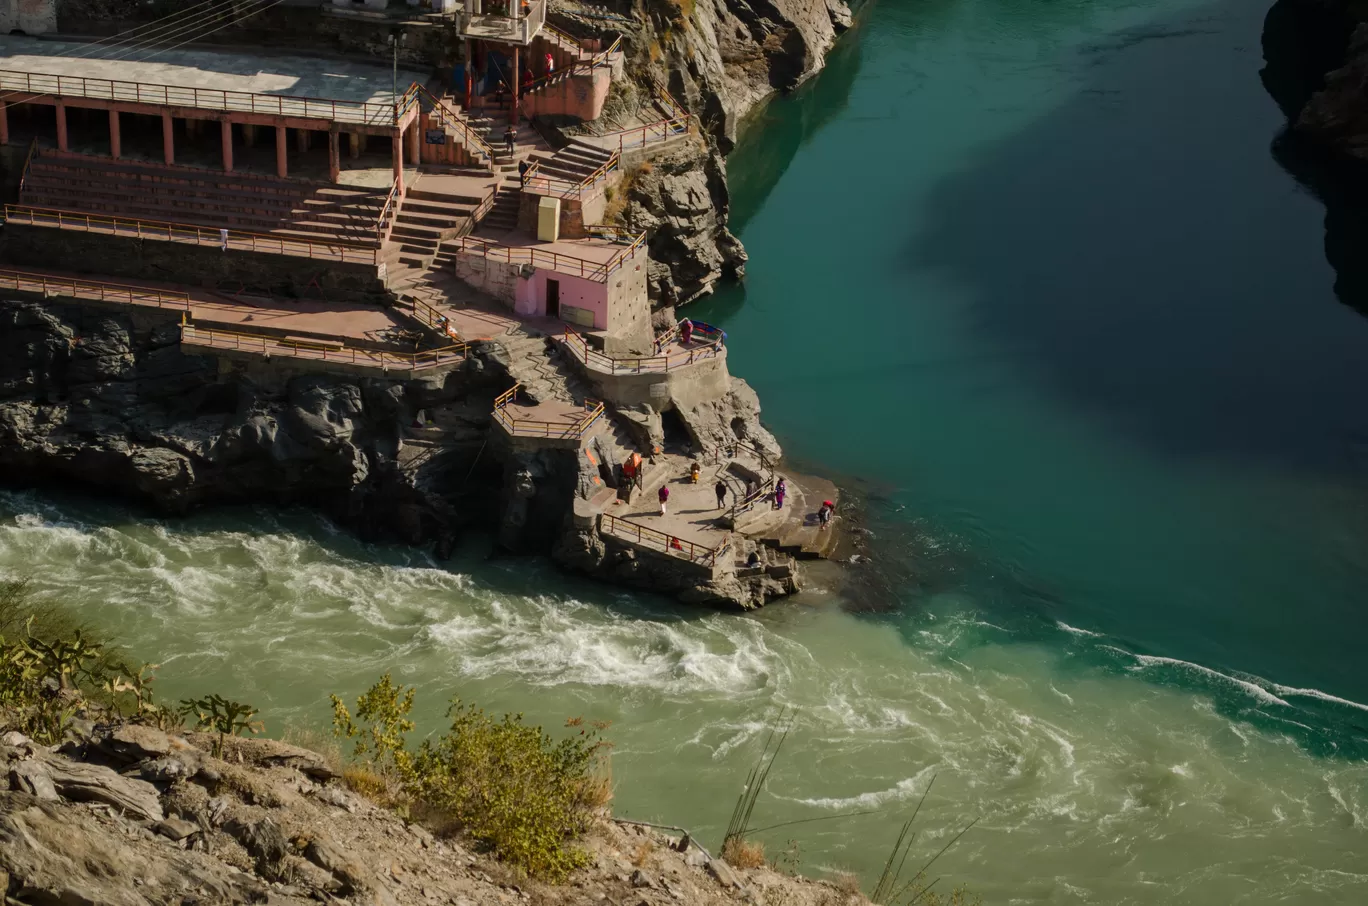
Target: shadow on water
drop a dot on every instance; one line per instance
(1301, 42)
(1153, 268)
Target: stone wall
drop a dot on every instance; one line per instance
(131, 259)
(32, 17)
(629, 308)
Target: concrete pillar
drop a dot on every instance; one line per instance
(281, 163)
(61, 127)
(4, 124)
(227, 130)
(516, 76)
(334, 155)
(168, 138)
(302, 140)
(415, 138)
(353, 145)
(469, 71)
(249, 135)
(115, 140)
(397, 153)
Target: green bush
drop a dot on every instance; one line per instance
(511, 787)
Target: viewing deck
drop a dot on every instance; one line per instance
(281, 87)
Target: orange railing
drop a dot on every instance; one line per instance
(318, 350)
(579, 347)
(28, 161)
(464, 133)
(538, 257)
(653, 538)
(528, 427)
(384, 224)
(564, 188)
(240, 240)
(26, 281)
(37, 84)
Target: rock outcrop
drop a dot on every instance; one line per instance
(97, 401)
(680, 200)
(720, 59)
(256, 827)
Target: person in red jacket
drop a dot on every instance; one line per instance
(550, 63)
(664, 496)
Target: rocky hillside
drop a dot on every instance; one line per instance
(127, 815)
(720, 59)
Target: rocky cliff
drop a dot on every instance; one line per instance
(720, 59)
(100, 401)
(127, 815)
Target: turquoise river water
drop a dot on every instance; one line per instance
(1028, 277)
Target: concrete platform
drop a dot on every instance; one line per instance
(257, 73)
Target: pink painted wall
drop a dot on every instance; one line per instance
(581, 95)
(576, 291)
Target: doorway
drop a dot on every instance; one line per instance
(553, 298)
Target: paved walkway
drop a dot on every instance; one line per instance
(343, 320)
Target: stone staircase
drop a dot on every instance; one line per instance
(574, 163)
(538, 364)
(426, 217)
(138, 190)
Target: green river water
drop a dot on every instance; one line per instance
(1029, 278)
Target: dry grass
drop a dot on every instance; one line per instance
(743, 853)
(847, 882)
(321, 743)
(362, 781)
(617, 201)
(642, 853)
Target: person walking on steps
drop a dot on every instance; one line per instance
(685, 332)
(664, 496)
(510, 138)
(550, 63)
(780, 490)
(522, 173)
(721, 490)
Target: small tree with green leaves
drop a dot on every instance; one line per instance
(219, 715)
(513, 788)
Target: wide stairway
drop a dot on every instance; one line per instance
(133, 190)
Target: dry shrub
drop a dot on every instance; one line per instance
(847, 882)
(642, 853)
(744, 853)
(362, 781)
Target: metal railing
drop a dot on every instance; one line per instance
(239, 240)
(579, 347)
(653, 538)
(28, 162)
(537, 257)
(319, 350)
(463, 132)
(528, 427)
(504, 26)
(38, 84)
(385, 222)
(751, 498)
(47, 284)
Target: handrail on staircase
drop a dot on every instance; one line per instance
(468, 135)
(384, 224)
(23, 174)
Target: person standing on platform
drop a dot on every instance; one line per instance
(780, 491)
(664, 496)
(721, 490)
(510, 138)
